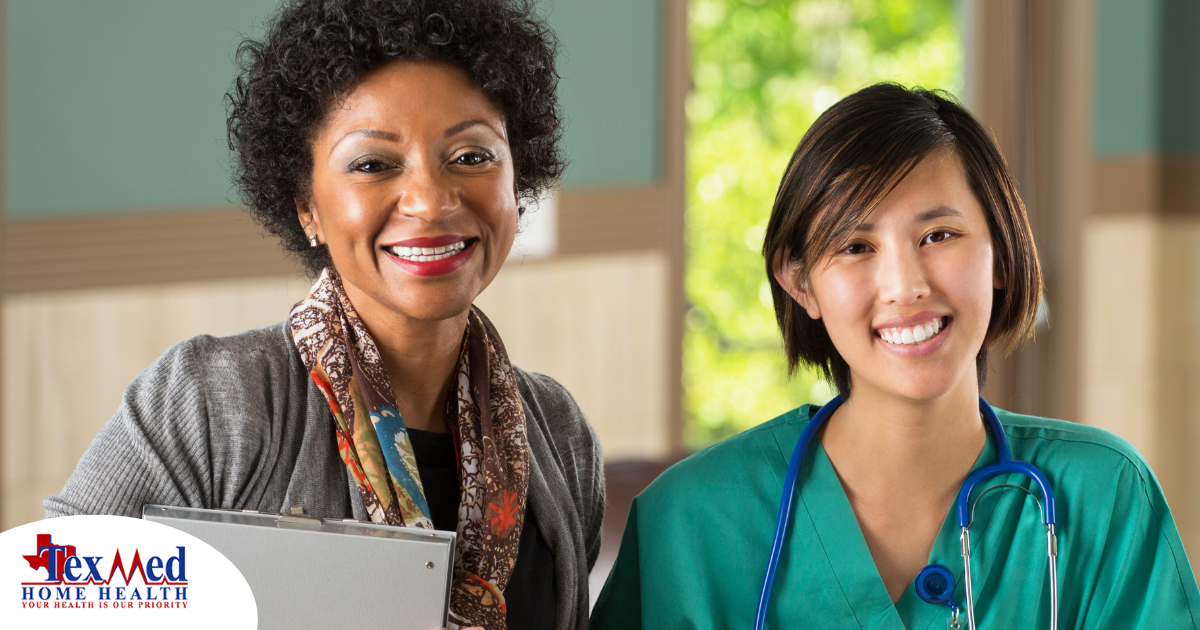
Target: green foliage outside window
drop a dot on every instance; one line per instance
(762, 70)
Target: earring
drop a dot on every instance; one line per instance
(312, 240)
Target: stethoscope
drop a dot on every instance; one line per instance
(934, 583)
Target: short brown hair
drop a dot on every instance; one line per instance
(848, 161)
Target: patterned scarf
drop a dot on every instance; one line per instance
(486, 418)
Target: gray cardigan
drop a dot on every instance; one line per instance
(236, 423)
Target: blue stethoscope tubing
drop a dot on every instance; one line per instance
(1005, 464)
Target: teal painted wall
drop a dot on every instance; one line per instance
(1127, 76)
(610, 89)
(1181, 71)
(117, 105)
(1147, 78)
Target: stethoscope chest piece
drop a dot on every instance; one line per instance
(935, 585)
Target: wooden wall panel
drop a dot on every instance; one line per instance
(138, 248)
(68, 356)
(1120, 332)
(611, 220)
(1141, 347)
(598, 325)
(1147, 185)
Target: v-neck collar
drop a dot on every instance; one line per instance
(822, 496)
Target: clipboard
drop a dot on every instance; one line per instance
(308, 572)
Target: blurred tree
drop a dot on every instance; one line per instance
(762, 71)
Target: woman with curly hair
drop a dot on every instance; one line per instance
(390, 145)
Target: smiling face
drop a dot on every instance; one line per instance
(413, 192)
(907, 301)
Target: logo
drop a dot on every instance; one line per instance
(117, 572)
(73, 580)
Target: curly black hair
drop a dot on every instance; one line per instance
(315, 51)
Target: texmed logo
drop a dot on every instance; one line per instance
(161, 582)
(117, 572)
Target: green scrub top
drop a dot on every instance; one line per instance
(696, 543)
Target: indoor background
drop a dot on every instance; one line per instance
(638, 286)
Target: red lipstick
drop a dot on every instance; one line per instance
(430, 268)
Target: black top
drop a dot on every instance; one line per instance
(530, 591)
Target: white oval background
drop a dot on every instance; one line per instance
(217, 594)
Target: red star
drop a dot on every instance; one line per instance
(505, 516)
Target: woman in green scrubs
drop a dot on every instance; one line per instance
(899, 254)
